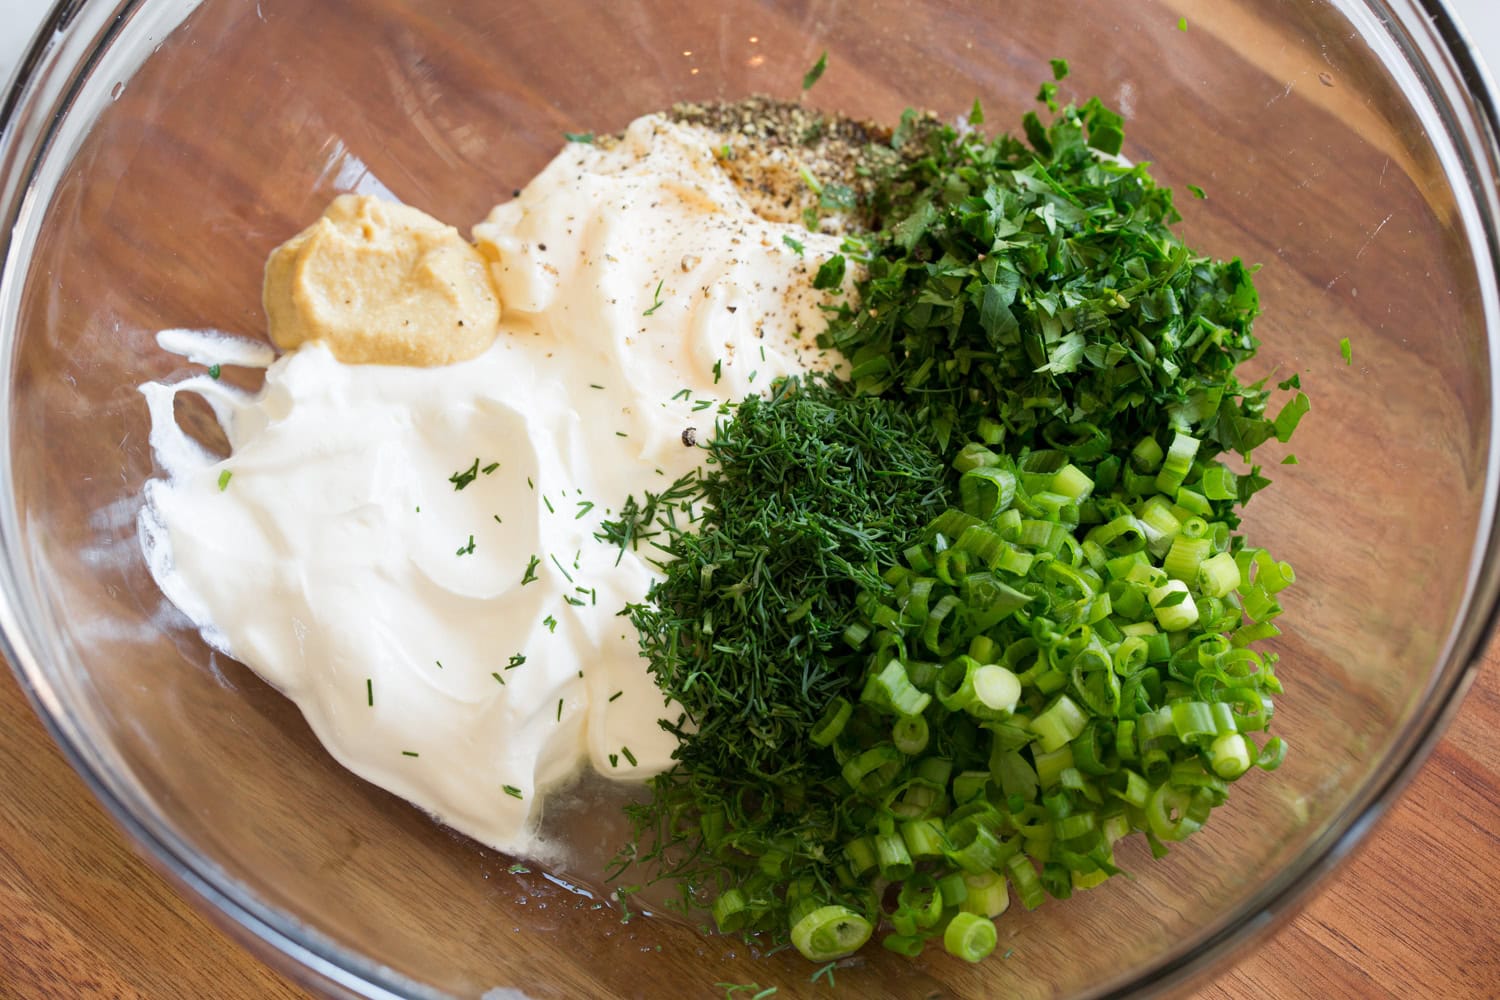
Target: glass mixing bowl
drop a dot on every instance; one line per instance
(155, 151)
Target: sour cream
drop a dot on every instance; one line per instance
(409, 554)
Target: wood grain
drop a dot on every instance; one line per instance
(1410, 915)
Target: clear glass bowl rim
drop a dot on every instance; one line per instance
(1465, 91)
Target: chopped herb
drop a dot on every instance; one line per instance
(625, 752)
(614, 760)
(584, 506)
(530, 574)
(464, 550)
(496, 674)
(830, 273)
(718, 370)
(1345, 348)
(682, 394)
(815, 74)
(490, 468)
(512, 791)
(826, 972)
(224, 478)
(214, 371)
(464, 477)
(1059, 69)
(410, 753)
(518, 869)
(516, 659)
(560, 568)
(616, 695)
(836, 198)
(1196, 192)
(621, 434)
(497, 518)
(551, 623)
(1032, 341)
(976, 113)
(655, 299)
(594, 386)
(796, 245)
(370, 691)
(548, 503)
(1182, 24)
(529, 485)
(559, 709)
(701, 405)
(577, 602)
(439, 664)
(1289, 460)
(584, 137)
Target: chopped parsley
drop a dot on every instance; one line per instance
(797, 248)
(214, 371)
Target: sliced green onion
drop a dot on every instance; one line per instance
(830, 932)
(835, 717)
(970, 937)
(986, 895)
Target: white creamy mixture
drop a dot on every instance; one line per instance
(333, 552)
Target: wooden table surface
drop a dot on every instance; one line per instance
(1411, 915)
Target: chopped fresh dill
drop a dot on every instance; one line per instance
(488, 469)
(370, 691)
(815, 74)
(548, 503)
(568, 576)
(551, 623)
(516, 659)
(559, 709)
(656, 299)
(512, 791)
(463, 477)
(796, 245)
(616, 695)
(625, 752)
(584, 506)
(496, 674)
(530, 574)
(467, 549)
(410, 753)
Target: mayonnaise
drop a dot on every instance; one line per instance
(409, 553)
